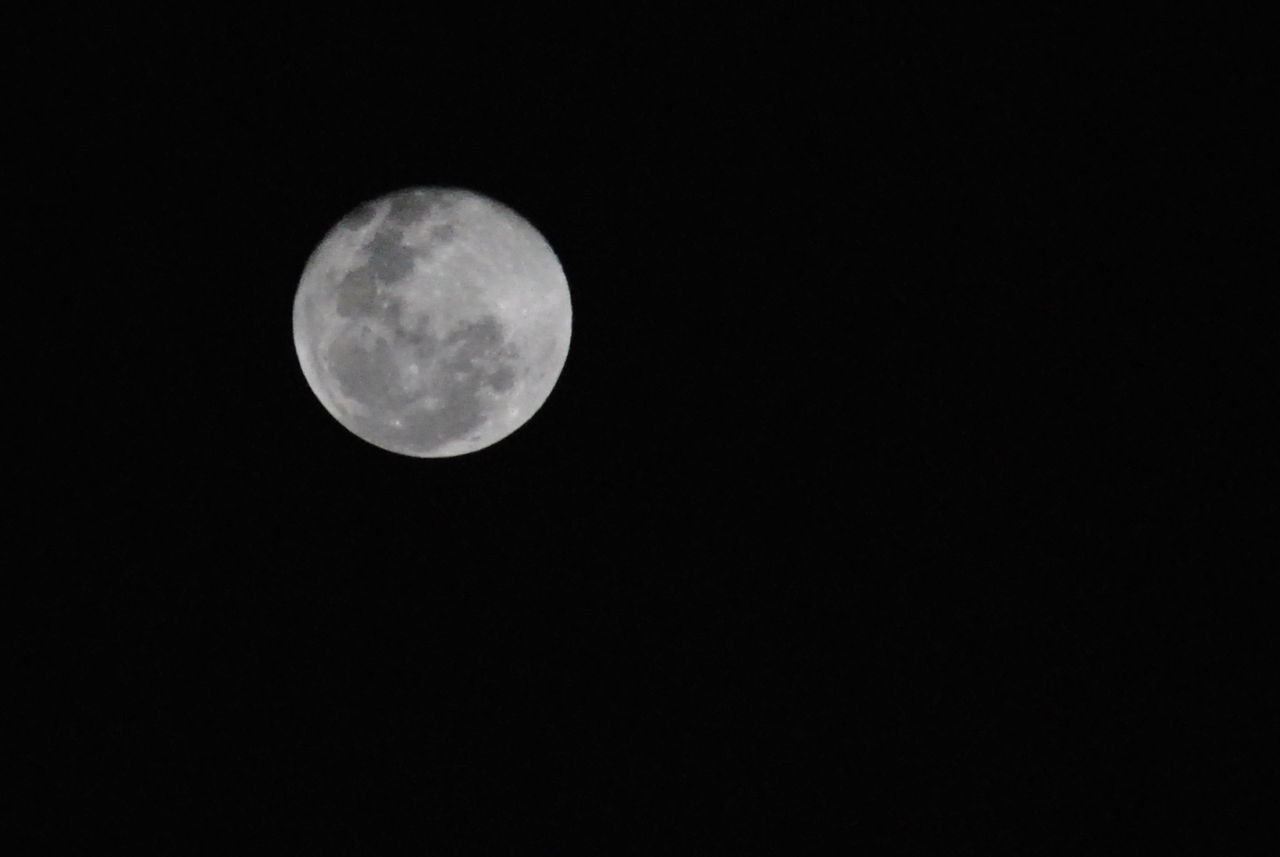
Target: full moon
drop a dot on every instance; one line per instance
(432, 322)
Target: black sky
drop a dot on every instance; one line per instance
(869, 512)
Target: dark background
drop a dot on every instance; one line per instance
(883, 501)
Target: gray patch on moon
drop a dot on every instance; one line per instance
(501, 379)
(366, 372)
(456, 415)
(437, 238)
(474, 337)
(357, 293)
(389, 259)
(361, 291)
(418, 336)
(409, 208)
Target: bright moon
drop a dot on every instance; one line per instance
(432, 321)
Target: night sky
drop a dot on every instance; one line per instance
(877, 510)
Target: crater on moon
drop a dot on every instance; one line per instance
(432, 322)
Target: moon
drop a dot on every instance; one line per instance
(432, 322)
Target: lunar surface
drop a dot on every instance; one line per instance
(432, 322)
